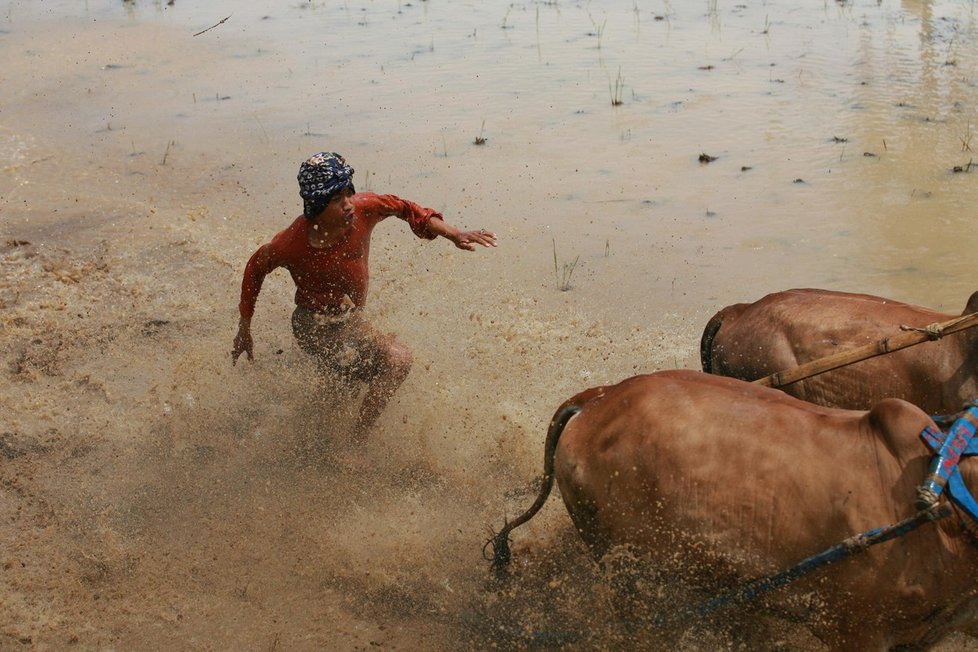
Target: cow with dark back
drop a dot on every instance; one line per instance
(718, 472)
(787, 329)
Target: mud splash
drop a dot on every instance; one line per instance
(154, 496)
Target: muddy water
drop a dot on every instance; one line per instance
(154, 496)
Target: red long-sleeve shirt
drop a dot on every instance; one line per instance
(323, 276)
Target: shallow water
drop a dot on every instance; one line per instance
(156, 496)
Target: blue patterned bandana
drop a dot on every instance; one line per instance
(320, 177)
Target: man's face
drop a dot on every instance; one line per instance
(338, 213)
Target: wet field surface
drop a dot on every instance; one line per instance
(643, 166)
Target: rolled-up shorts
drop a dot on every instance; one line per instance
(347, 347)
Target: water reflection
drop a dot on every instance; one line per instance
(911, 121)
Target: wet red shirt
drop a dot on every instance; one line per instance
(323, 276)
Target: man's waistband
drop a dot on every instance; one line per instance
(323, 317)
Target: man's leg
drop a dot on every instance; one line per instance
(393, 366)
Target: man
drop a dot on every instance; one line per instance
(326, 251)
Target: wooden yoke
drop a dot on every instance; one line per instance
(913, 336)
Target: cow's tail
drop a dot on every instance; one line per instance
(500, 542)
(706, 341)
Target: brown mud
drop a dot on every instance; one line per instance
(153, 496)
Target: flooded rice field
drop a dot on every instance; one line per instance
(643, 165)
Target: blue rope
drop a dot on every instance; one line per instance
(840, 551)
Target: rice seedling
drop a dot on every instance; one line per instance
(948, 61)
(539, 50)
(505, 24)
(598, 31)
(731, 57)
(480, 139)
(714, 13)
(617, 90)
(166, 152)
(262, 127)
(564, 271)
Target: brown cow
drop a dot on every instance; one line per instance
(706, 468)
(786, 329)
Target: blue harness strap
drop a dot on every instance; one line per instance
(961, 497)
(949, 448)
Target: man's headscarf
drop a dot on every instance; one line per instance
(321, 176)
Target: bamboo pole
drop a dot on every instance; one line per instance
(903, 340)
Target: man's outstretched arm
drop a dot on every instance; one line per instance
(425, 222)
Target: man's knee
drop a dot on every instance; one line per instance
(394, 361)
(399, 360)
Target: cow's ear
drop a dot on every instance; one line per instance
(972, 304)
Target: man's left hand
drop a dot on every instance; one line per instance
(469, 239)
